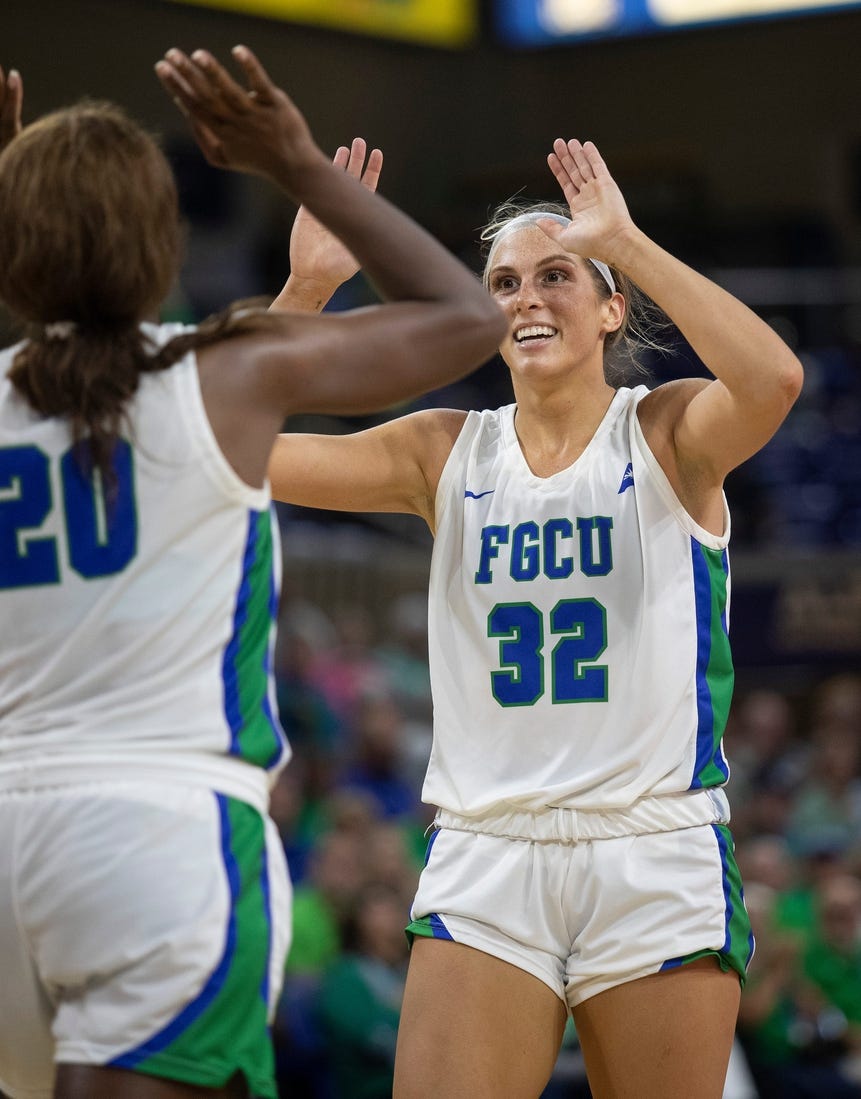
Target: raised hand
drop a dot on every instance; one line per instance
(11, 101)
(599, 215)
(256, 128)
(316, 255)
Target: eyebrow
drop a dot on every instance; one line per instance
(548, 261)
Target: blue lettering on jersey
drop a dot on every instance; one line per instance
(525, 558)
(491, 539)
(590, 563)
(548, 550)
(101, 529)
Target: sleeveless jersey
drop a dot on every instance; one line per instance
(136, 624)
(577, 627)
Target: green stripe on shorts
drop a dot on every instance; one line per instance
(737, 949)
(224, 1029)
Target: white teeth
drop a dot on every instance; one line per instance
(534, 331)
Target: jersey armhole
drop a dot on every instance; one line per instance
(641, 448)
(215, 464)
(453, 466)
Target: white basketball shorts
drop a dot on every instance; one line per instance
(142, 926)
(586, 915)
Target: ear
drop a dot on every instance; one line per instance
(615, 313)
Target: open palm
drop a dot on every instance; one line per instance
(315, 253)
(599, 214)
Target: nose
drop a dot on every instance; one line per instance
(527, 297)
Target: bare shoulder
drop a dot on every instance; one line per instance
(660, 413)
(439, 425)
(660, 410)
(430, 436)
(243, 419)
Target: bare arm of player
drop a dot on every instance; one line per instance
(319, 262)
(11, 102)
(258, 129)
(393, 467)
(436, 324)
(710, 427)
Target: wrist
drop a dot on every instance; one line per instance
(626, 250)
(303, 295)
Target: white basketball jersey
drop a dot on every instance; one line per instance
(578, 627)
(135, 628)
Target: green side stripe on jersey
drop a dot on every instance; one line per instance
(255, 734)
(225, 1029)
(715, 675)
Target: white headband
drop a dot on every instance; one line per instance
(605, 273)
(531, 216)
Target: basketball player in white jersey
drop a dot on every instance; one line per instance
(578, 629)
(144, 900)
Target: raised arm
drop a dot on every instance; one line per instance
(258, 129)
(709, 429)
(319, 262)
(436, 322)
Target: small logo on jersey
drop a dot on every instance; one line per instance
(627, 478)
(467, 495)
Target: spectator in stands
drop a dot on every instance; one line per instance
(361, 993)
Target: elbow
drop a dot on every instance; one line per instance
(791, 379)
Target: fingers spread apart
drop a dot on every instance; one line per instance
(203, 88)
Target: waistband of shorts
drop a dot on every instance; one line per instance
(662, 813)
(232, 777)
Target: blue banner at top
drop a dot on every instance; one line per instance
(545, 22)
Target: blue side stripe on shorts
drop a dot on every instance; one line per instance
(672, 963)
(728, 911)
(157, 1042)
(440, 931)
(431, 842)
(722, 846)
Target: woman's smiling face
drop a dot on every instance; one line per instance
(556, 315)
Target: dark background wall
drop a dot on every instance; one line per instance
(753, 120)
(739, 148)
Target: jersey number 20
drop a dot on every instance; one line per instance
(101, 537)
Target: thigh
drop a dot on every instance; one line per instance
(89, 1082)
(666, 1036)
(26, 1044)
(474, 1027)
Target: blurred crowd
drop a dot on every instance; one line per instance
(354, 697)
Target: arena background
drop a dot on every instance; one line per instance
(738, 146)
